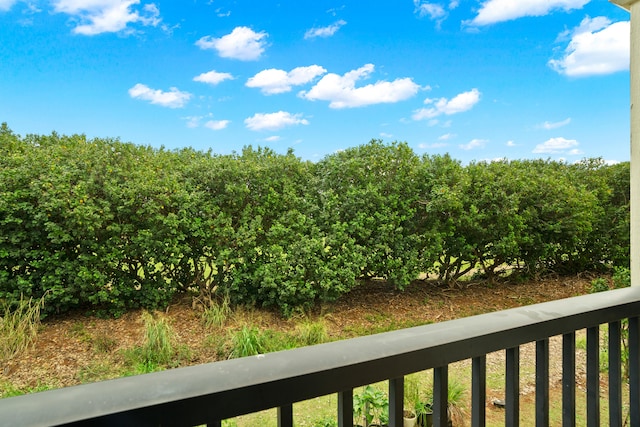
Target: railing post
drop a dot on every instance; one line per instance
(569, 379)
(542, 383)
(345, 408)
(478, 391)
(593, 376)
(615, 376)
(396, 402)
(440, 396)
(285, 416)
(512, 386)
(634, 371)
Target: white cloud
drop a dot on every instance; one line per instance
(217, 124)
(385, 135)
(274, 121)
(458, 104)
(193, 121)
(242, 43)
(172, 99)
(341, 91)
(6, 4)
(274, 81)
(510, 144)
(212, 77)
(493, 11)
(434, 145)
(447, 136)
(273, 138)
(474, 143)
(325, 31)
(555, 145)
(554, 125)
(597, 47)
(432, 10)
(107, 16)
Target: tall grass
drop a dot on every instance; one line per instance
(217, 313)
(248, 341)
(311, 333)
(19, 327)
(158, 335)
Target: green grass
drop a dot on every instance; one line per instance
(217, 314)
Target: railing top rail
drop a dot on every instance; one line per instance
(199, 394)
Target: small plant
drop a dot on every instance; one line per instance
(103, 343)
(370, 405)
(455, 395)
(247, 342)
(19, 327)
(621, 277)
(311, 333)
(599, 285)
(326, 422)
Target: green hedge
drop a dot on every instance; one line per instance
(108, 226)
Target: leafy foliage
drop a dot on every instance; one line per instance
(107, 226)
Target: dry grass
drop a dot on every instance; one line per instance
(19, 327)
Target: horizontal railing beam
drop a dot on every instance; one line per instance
(193, 395)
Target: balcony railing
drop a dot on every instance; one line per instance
(207, 394)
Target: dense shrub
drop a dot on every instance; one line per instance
(107, 226)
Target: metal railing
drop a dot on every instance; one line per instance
(209, 393)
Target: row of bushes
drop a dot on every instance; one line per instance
(110, 225)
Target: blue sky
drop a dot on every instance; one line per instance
(479, 79)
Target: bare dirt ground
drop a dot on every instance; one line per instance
(65, 352)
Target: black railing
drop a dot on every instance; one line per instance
(206, 394)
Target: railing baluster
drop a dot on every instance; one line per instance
(396, 402)
(615, 376)
(634, 371)
(440, 396)
(285, 416)
(512, 386)
(345, 408)
(542, 383)
(593, 376)
(478, 391)
(569, 379)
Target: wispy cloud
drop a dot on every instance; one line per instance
(494, 11)
(341, 91)
(474, 143)
(174, 98)
(447, 136)
(554, 125)
(327, 31)
(597, 47)
(425, 146)
(274, 121)
(458, 104)
(107, 16)
(273, 81)
(431, 10)
(217, 124)
(212, 77)
(7, 4)
(556, 146)
(511, 144)
(242, 43)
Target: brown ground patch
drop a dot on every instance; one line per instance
(75, 348)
